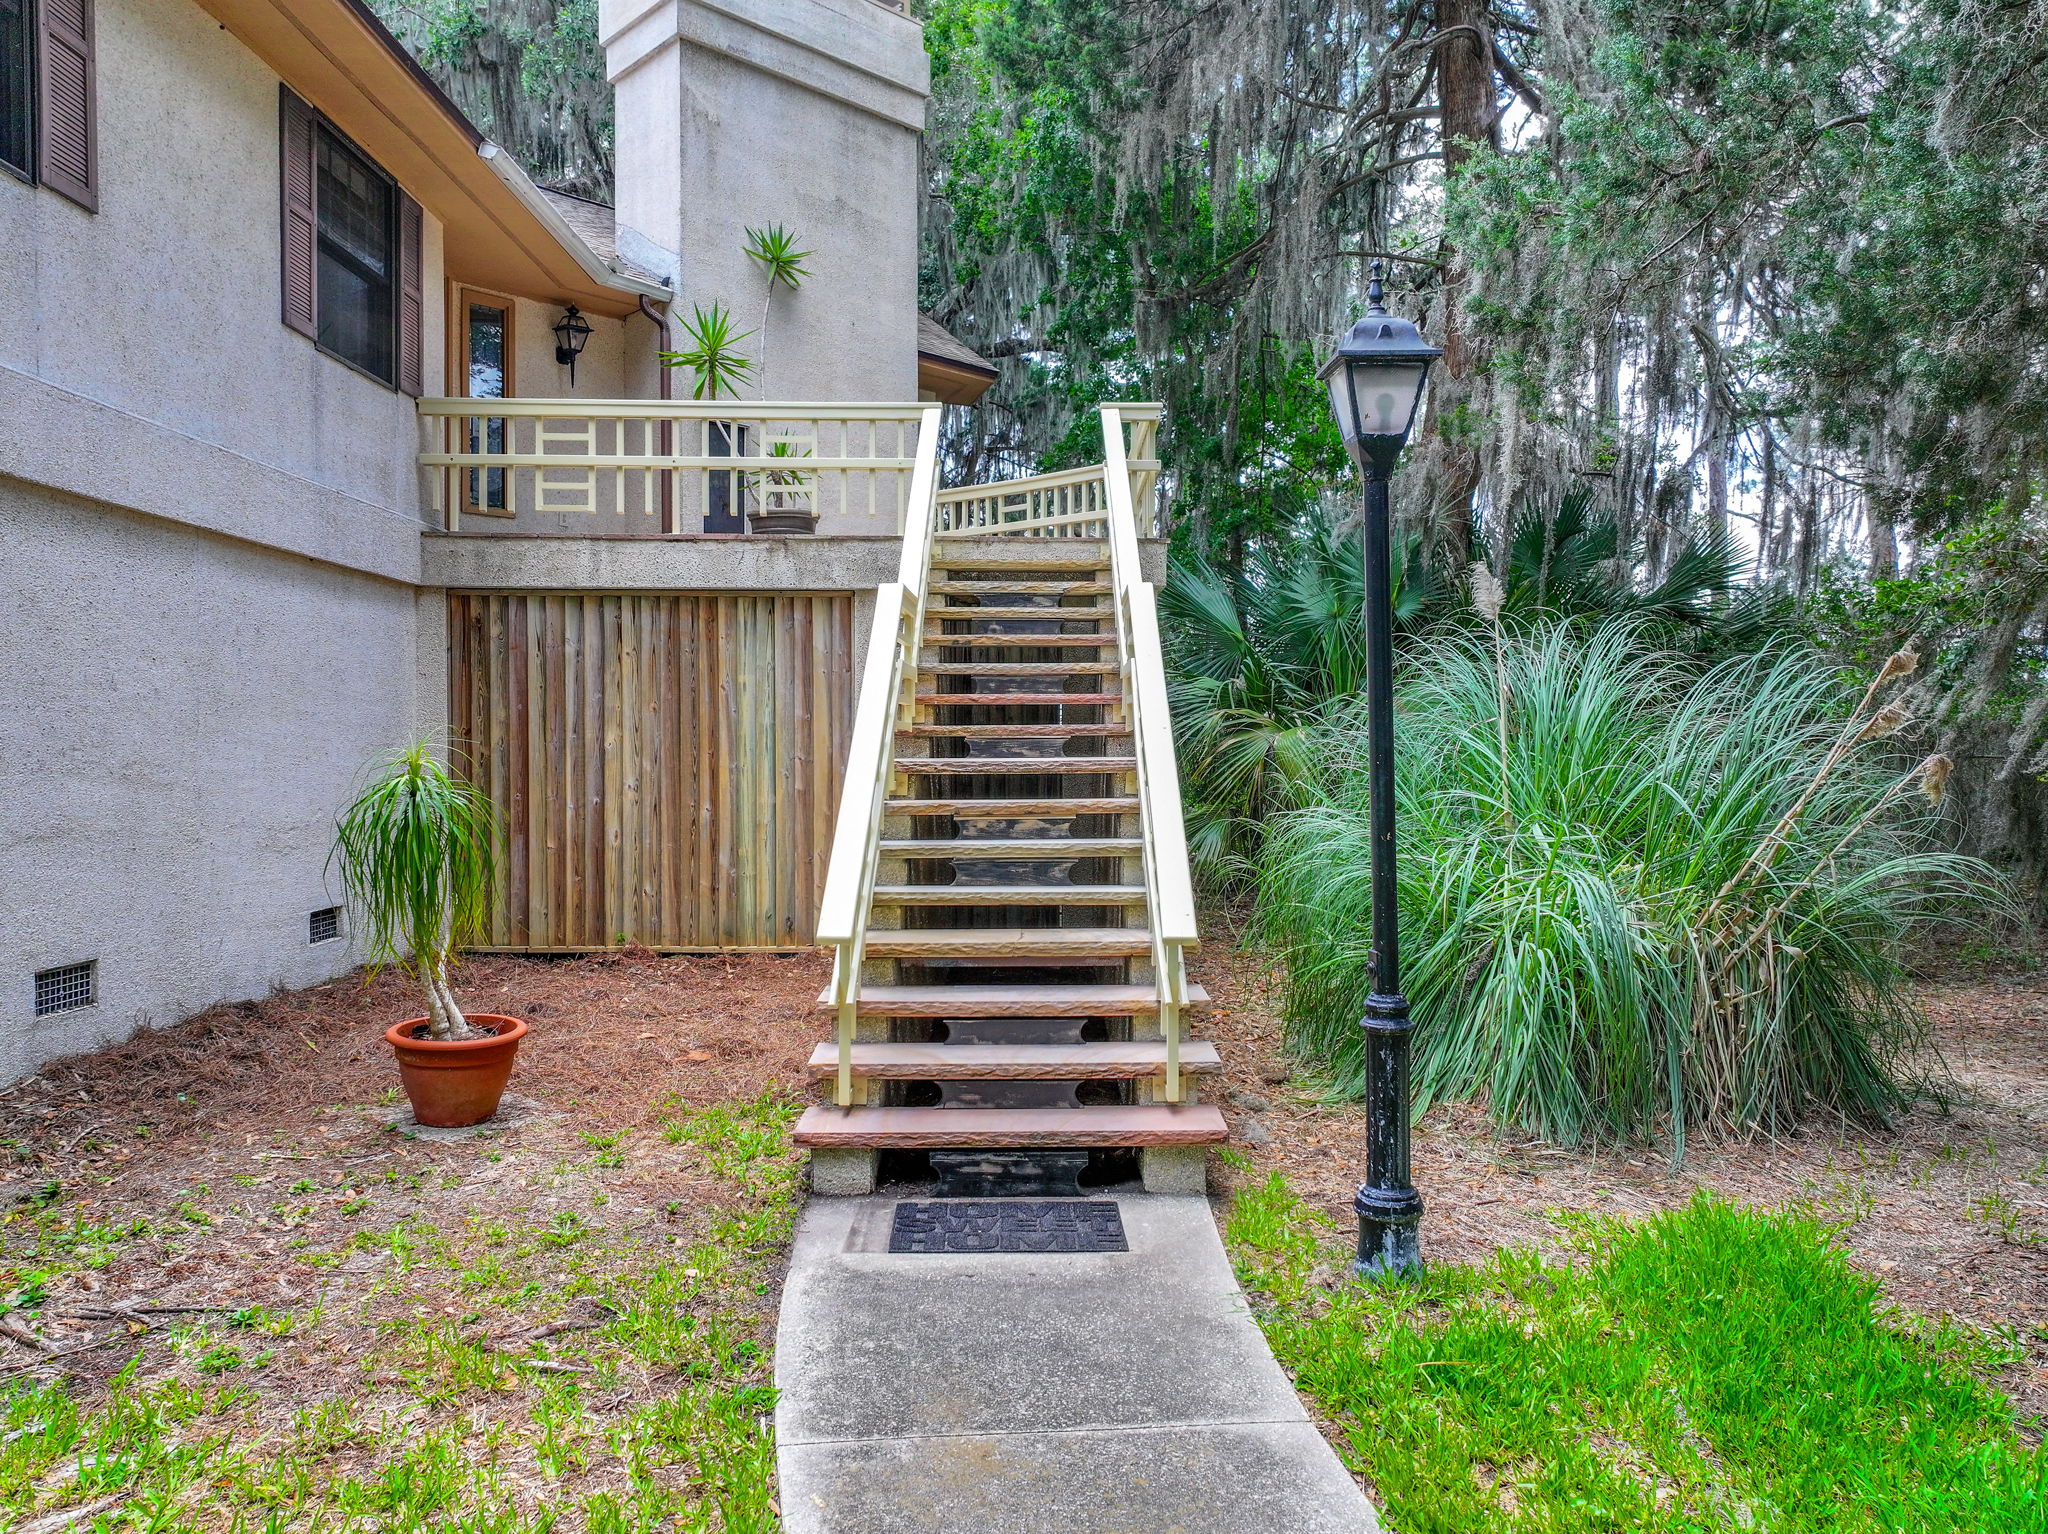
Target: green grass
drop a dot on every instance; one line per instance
(1713, 1368)
(406, 1400)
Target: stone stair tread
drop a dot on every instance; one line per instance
(1017, 731)
(1015, 668)
(1009, 942)
(1046, 846)
(1021, 699)
(1014, 1062)
(1036, 614)
(1116, 805)
(1021, 588)
(969, 555)
(1010, 1000)
(1012, 894)
(1021, 641)
(938, 1128)
(970, 766)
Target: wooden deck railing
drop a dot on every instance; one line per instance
(1129, 474)
(657, 461)
(892, 647)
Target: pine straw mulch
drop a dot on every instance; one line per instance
(1948, 1209)
(257, 1138)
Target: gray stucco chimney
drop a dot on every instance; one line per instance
(806, 113)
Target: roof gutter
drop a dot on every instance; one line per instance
(601, 272)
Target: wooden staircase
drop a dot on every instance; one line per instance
(1008, 901)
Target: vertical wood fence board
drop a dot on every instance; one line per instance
(666, 763)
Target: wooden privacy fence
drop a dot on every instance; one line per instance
(667, 763)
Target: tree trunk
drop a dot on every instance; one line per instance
(1467, 95)
(1809, 537)
(1770, 537)
(1884, 540)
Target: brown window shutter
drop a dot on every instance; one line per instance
(70, 151)
(301, 225)
(411, 298)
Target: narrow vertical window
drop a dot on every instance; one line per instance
(356, 303)
(18, 87)
(487, 339)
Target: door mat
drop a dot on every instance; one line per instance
(1010, 1225)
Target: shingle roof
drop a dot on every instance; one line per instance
(597, 226)
(934, 340)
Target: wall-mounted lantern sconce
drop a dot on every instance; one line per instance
(572, 330)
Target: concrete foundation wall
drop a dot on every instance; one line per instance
(181, 716)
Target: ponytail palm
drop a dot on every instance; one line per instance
(418, 854)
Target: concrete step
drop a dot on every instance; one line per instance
(940, 1128)
(984, 766)
(1010, 1000)
(1049, 847)
(1008, 943)
(1089, 588)
(1011, 894)
(974, 808)
(1014, 1062)
(1021, 700)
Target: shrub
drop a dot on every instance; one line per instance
(1632, 893)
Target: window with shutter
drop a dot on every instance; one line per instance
(18, 87)
(68, 157)
(350, 250)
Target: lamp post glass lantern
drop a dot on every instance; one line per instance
(1376, 382)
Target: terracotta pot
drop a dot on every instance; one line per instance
(456, 1082)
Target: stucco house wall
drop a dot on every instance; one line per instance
(165, 302)
(183, 714)
(211, 537)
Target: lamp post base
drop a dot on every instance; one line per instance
(1388, 1248)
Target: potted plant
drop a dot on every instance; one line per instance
(785, 494)
(418, 854)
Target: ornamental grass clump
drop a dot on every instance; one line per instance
(1634, 895)
(418, 854)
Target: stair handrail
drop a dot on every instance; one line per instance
(893, 639)
(1169, 887)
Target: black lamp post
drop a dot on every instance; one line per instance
(572, 330)
(1376, 382)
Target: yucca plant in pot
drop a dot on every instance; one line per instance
(417, 851)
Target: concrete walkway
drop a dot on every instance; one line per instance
(1039, 1394)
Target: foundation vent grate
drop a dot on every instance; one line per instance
(67, 988)
(324, 926)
